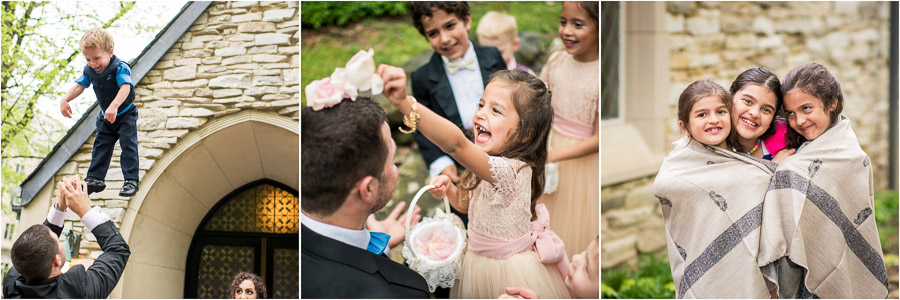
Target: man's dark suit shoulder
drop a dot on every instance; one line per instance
(331, 269)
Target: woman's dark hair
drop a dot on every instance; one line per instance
(592, 8)
(762, 77)
(258, 284)
(341, 145)
(696, 91)
(528, 141)
(815, 80)
(32, 253)
(420, 9)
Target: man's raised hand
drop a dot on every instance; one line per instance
(76, 195)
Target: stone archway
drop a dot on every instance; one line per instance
(187, 181)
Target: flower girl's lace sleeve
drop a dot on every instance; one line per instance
(512, 181)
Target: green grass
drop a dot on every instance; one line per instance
(886, 216)
(396, 41)
(337, 46)
(538, 17)
(651, 279)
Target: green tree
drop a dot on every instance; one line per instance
(36, 61)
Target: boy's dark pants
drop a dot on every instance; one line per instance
(125, 131)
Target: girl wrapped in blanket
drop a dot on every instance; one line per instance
(711, 216)
(819, 238)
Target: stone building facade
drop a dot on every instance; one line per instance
(218, 109)
(718, 40)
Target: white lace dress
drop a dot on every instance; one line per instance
(503, 210)
(575, 206)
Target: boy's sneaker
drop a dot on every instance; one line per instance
(94, 185)
(129, 188)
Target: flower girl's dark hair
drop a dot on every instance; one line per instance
(528, 142)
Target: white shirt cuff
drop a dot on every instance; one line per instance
(94, 218)
(439, 165)
(56, 216)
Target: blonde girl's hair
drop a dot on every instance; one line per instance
(495, 25)
(97, 38)
(528, 142)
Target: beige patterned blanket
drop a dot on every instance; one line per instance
(818, 220)
(712, 203)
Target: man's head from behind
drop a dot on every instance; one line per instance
(37, 253)
(342, 147)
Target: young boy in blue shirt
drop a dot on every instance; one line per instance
(111, 78)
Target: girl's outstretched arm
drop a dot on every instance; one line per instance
(438, 130)
(584, 147)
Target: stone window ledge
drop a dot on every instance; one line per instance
(625, 155)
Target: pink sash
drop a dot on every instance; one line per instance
(549, 247)
(572, 128)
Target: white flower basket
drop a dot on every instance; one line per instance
(434, 247)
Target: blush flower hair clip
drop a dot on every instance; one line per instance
(357, 76)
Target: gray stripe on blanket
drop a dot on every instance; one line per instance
(719, 247)
(830, 207)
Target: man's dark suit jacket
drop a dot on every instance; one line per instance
(332, 269)
(431, 87)
(94, 283)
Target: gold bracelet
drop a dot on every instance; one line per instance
(411, 119)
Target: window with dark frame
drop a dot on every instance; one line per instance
(8, 231)
(610, 48)
(253, 229)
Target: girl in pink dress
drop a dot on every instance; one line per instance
(510, 243)
(573, 76)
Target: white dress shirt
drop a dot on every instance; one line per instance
(91, 219)
(468, 86)
(355, 238)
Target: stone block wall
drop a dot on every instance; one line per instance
(718, 41)
(236, 56)
(630, 222)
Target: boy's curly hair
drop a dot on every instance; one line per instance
(420, 9)
(97, 38)
(258, 284)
